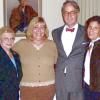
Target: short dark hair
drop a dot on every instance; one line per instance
(92, 19)
(73, 3)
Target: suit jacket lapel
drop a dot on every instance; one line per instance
(7, 59)
(60, 41)
(77, 39)
(59, 36)
(16, 61)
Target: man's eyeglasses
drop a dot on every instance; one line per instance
(72, 13)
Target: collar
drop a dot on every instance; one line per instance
(75, 27)
(96, 39)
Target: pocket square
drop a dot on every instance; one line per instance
(85, 43)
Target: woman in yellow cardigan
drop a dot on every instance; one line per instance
(38, 57)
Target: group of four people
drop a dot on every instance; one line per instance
(74, 54)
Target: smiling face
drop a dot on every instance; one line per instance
(39, 31)
(93, 30)
(70, 15)
(7, 40)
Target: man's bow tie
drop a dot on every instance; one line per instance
(70, 29)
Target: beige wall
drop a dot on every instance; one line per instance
(51, 11)
(1, 13)
(88, 9)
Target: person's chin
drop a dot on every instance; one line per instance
(9, 47)
(39, 38)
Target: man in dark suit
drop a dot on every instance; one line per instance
(70, 42)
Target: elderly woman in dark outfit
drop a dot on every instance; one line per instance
(10, 66)
(92, 60)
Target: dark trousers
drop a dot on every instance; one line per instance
(90, 95)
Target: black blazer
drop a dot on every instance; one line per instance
(95, 67)
(10, 76)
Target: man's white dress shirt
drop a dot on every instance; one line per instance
(67, 39)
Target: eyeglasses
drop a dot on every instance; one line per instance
(9, 39)
(72, 13)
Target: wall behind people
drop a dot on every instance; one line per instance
(1, 13)
(88, 8)
(51, 11)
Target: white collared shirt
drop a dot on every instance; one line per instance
(68, 39)
(87, 67)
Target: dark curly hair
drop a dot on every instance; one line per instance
(88, 21)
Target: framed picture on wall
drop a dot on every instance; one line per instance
(18, 13)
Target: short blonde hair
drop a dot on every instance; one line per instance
(6, 29)
(32, 24)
